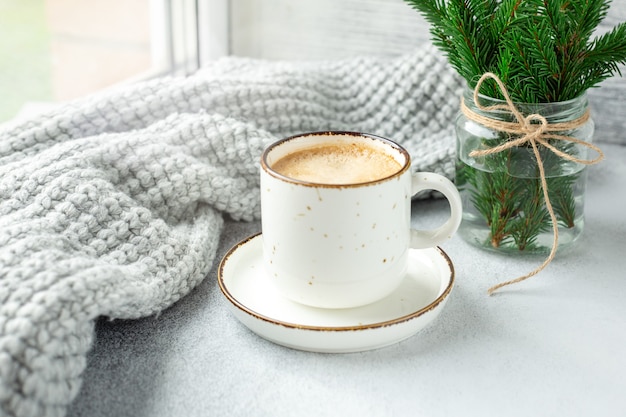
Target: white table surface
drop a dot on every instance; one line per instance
(554, 345)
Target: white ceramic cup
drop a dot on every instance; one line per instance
(344, 245)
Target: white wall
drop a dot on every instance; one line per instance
(331, 29)
(324, 29)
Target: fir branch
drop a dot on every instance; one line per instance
(504, 17)
(525, 75)
(591, 13)
(465, 37)
(541, 49)
(561, 191)
(537, 40)
(603, 56)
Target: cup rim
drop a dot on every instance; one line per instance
(268, 169)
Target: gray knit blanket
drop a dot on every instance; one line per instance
(113, 205)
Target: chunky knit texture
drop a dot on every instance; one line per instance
(112, 206)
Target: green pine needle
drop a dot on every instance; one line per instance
(542, 49)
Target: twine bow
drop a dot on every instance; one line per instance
(535, 130)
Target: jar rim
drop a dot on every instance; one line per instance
(557, 109)
(470, 91)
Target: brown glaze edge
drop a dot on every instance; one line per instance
(265, 166)
(387, 323)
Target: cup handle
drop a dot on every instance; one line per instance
(422, 239)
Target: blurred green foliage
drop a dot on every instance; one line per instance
(25, 65)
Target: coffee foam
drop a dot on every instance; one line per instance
(337, 163)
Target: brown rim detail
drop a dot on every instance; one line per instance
(266, 167)
(250, 312)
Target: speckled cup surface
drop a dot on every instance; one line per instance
(344, 245)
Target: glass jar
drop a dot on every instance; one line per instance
(503, 203)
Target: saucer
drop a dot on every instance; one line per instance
(259, 306)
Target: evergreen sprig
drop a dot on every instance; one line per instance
(543, 50)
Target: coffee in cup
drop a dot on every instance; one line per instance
(337, 163)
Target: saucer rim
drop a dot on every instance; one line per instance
(398, 320)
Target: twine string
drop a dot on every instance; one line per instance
(535, 130)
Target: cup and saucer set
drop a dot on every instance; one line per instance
(337, 267)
